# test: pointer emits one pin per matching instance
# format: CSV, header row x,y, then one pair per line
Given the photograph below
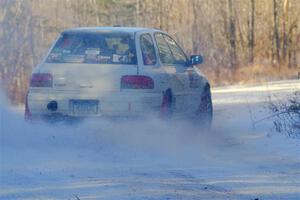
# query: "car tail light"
x,y
41,80
136,82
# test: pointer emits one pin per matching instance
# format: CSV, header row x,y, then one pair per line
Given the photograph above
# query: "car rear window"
x,y
102,48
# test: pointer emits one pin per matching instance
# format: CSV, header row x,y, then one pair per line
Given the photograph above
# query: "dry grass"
x,y
251,74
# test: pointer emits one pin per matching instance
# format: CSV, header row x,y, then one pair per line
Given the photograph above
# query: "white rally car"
x,y
118,72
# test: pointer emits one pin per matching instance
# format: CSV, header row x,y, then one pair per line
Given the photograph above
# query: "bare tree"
x,y
251,32
276,31
231,34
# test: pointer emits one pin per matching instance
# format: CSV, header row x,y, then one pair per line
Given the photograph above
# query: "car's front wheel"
x,y
204,114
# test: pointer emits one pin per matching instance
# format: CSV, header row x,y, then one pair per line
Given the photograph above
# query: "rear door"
x,y
174,62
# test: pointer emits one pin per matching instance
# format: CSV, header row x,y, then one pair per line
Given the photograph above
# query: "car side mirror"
x,y
196,59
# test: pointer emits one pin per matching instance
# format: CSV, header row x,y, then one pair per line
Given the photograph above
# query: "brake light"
x,y
136,82
41,80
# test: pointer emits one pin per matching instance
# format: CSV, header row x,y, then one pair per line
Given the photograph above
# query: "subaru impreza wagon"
x,y
118,72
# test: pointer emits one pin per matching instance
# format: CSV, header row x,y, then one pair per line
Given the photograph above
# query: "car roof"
x,y
129,30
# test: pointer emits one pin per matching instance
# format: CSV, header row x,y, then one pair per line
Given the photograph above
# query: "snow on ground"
x,y
238,159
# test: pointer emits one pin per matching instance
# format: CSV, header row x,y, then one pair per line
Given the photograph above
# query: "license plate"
x,y
84,107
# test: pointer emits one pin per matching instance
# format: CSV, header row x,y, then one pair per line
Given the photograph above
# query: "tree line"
x,y
238,38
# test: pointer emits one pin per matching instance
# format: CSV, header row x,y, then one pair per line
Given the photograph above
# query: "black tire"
x,y
166,110
204,114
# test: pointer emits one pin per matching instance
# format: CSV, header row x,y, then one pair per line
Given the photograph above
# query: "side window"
x,y
178,54
165,53
148,50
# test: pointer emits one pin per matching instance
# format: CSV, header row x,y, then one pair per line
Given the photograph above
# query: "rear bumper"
x,y
69,120
111,104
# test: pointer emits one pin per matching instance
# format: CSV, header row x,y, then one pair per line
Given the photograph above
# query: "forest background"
x,y
242,41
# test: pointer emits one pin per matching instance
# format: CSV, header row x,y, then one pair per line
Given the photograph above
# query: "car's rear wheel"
x,y
204,113
166,110
27,113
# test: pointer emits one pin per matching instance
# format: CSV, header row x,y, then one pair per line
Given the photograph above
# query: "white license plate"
x,y
84,107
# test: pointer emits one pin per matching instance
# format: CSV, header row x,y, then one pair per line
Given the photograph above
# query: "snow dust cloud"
x,y
104,142
36,155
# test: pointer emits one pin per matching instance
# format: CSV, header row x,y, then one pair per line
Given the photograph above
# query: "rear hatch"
x,y
83,77
90,60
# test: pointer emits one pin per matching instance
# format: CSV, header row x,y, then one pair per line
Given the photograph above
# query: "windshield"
x,y
102,48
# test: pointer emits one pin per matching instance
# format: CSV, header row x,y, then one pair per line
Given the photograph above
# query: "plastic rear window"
x,y
98,48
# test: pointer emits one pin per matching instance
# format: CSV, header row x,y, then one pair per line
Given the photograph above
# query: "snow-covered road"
x,y
241,158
